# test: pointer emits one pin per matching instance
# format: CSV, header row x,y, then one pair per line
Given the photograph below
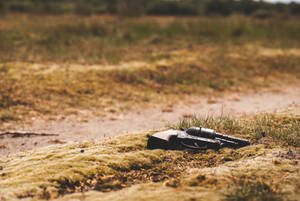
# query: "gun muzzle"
x,y
239,141
212,134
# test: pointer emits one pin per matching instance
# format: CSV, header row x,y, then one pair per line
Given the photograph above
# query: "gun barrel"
x,y
212,134
241,142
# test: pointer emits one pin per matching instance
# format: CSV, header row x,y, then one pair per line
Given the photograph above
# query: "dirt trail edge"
x,y
69,131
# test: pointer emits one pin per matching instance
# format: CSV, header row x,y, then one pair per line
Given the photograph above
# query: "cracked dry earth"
x,y
70,130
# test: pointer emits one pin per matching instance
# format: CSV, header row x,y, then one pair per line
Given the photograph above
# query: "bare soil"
x,y
79,128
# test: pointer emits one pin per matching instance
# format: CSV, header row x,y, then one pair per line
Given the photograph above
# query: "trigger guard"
x,y
193,147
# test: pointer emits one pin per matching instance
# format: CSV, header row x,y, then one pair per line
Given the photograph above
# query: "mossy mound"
x,y
123,169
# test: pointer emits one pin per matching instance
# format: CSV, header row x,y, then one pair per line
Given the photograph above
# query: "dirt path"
x,y
71,131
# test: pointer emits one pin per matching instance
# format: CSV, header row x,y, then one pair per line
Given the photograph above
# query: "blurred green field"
x,y
98,39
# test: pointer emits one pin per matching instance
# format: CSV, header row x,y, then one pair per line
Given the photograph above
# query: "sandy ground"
x,y
71,131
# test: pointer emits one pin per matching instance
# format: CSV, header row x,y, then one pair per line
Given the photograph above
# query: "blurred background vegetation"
x,y
224,43
108,31
151,7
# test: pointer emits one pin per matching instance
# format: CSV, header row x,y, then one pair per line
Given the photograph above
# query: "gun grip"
x,y
163,140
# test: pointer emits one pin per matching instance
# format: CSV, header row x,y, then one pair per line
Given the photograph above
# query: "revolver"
x,y
198,138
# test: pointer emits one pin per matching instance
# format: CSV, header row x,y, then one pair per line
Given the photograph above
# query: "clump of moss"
x,y
256,189
250,178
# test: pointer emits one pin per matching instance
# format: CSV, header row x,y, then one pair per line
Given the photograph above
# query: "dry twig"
x,y
16,134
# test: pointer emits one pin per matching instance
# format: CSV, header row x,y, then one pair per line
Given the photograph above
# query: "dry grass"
x,y
48,89
122,168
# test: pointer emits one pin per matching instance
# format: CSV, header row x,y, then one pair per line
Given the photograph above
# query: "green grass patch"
x,y
276,129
